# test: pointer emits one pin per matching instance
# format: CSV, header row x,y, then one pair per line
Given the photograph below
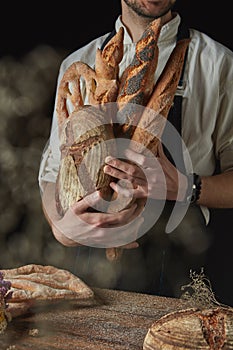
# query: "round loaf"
x,y
86,140
209,329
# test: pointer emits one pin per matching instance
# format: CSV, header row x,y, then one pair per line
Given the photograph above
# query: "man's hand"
x,y
153,177
83,225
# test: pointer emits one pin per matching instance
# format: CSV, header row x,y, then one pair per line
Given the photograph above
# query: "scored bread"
x,y
44,282
83,130
87,136
210,329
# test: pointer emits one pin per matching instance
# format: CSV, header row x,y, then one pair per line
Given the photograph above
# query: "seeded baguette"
x,y
153,119
137,80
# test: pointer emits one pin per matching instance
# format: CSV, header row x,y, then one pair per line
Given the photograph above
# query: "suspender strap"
x,y
109,37
173,142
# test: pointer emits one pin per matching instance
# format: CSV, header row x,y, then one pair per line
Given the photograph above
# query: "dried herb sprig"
x,y
199,291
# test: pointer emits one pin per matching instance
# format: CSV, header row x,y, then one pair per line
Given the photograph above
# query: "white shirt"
x,y
207,107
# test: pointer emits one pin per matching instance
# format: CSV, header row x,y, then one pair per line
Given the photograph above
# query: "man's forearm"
x,y
217,191
52,216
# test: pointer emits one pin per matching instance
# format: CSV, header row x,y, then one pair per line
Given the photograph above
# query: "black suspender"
x,y
109,37
173,141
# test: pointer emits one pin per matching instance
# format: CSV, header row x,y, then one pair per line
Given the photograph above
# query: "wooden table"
x,y
112,320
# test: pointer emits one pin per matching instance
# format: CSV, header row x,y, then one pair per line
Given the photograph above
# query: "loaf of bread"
x,y
145,132
87,139
153,119
137,80
42,282
192,329
136,86
33,284
107,60
102,83
86,133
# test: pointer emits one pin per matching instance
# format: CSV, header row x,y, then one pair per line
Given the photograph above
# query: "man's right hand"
x,y
81,226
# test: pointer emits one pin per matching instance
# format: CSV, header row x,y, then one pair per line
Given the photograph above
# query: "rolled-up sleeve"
x,y
50,160
224,128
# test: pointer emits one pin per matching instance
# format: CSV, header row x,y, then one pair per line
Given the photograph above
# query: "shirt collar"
x,y
168,30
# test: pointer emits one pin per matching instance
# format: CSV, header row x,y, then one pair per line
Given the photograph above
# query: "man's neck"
x,y
136,25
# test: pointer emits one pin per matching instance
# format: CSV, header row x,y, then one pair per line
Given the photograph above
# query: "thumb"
x,y
89,201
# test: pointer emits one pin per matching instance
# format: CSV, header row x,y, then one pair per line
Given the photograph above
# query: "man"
x,y
157,262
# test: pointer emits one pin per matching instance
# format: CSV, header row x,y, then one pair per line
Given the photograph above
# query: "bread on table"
x,y
192,329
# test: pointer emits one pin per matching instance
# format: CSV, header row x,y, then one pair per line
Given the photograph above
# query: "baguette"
x,y
137,80
107,60
153,119
136,86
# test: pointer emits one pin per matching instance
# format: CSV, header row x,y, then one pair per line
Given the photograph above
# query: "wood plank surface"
x,y
111,320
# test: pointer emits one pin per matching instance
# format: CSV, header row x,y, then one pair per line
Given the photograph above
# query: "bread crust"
x,y
192,329
153,119
88,135
44,282
137,80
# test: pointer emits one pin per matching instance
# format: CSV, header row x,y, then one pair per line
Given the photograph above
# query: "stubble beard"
x,y
140,11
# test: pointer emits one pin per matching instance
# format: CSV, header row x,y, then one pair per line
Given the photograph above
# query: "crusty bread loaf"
x,y
42,282
102,83
146,135
69,96
107,60
137,81
84,131
153,119
88,140
136,86
192,329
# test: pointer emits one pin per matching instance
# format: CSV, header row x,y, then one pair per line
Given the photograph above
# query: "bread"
x,y
84,130
210,329
69,95
78,174
39,282
137,81
152,122
101,83
136,86
87,139
146,126
107,60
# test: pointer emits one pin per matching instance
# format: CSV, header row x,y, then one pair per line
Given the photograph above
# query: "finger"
x,y
142,160
114,172
123,167
123,188
118,219
90,201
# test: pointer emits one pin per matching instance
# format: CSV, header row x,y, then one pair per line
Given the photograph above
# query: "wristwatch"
x,y
194,188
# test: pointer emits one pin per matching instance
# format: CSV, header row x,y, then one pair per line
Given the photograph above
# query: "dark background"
x,y
34,38
74,24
